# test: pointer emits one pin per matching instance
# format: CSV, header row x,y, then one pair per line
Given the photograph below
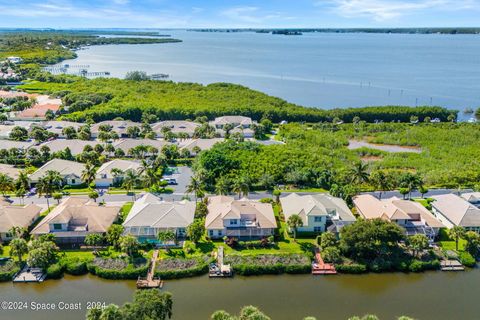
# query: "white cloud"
x,y
384,10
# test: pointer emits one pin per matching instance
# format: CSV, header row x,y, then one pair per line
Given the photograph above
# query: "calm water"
x,y
318,70
428,296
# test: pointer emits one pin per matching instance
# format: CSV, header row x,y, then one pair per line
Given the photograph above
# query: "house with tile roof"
x,y
453,210
16,216
106,175
193,145
150,215
70,171
75,218
242,219
175,126
119,126
319,212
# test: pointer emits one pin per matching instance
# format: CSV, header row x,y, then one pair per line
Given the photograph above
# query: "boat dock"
x,y
218,269
319,267
451,265
28,274
150,281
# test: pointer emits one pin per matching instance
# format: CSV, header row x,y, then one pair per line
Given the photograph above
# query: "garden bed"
x,y
118,268
269,263
174,268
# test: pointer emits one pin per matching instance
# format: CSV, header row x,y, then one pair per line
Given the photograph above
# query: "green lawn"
x,y
450,245
424,202
125,210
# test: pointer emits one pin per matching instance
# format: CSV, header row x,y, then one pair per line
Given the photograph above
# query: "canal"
x,y
427,296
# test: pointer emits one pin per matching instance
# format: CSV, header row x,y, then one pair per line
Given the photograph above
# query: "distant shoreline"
x,y
452,31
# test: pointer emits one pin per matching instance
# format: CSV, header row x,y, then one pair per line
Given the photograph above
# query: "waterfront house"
x,y
76,146
70,171
16,216
318,212
193,145
151,215
118,126
472,197
107,176
75,218
410,215
243,219
175,126
453,210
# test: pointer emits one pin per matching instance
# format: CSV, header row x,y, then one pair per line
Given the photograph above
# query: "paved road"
x,y
253,195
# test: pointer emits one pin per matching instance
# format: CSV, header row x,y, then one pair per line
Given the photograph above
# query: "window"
x,y
211,233
57,226
220,233
233,222
73,181
317,229
318,219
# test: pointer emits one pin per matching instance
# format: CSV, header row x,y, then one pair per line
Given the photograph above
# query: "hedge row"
x,y
8,270
129,272
198,268
270,264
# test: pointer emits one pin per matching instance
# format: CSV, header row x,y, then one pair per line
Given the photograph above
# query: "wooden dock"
x,y
319,267
218,269
150,281
451,265
28,274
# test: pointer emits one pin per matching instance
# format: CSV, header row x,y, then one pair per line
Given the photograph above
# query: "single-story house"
x,y
175,126
9,170
243,219
57,127
151,215
472,197
453,210
236,121
106,178
76,146
37,112
192,145
11,144
119,126
16,216
70,171
74,218
319,212
411,215
127,144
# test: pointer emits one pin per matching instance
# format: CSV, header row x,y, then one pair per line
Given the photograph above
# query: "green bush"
x,y
182,268
353,268
416,266
74,266
467,259
54,271
269,264
7,270
118,269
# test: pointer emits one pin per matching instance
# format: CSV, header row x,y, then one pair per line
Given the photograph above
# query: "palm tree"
x,y
380,182
22,180
117,174
241,186
48,184
195,186
18,247
89,173
20,193
130,180
222,187
359,173
293,222
456,233
6,184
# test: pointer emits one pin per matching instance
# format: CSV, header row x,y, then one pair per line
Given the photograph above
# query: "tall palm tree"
x,y
48,184
222,187
195,186
294,222
359,173
6,183
241,186
456,233
22,180
130,180
89,173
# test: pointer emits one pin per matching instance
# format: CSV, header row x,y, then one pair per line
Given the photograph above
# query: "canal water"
x,y
427,296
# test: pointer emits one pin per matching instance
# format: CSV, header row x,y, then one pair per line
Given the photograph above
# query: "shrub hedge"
x,y
269,264
118,268
8,270
174,268
353,268
55,271
467,259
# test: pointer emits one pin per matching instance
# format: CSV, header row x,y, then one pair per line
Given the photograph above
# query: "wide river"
x,y
426,296
316,69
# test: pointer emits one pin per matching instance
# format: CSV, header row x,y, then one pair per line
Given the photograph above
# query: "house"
x,y
453,210
76,146
318,212
106,178
151,215
11,144
8,126
127,144
410,215
235,121
74,218
70,171
16,216
176,127
243,219
57,127
118,126
193,145
472,197
9,170
37,112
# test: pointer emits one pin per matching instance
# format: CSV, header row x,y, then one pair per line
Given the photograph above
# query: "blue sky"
x,y
238,13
